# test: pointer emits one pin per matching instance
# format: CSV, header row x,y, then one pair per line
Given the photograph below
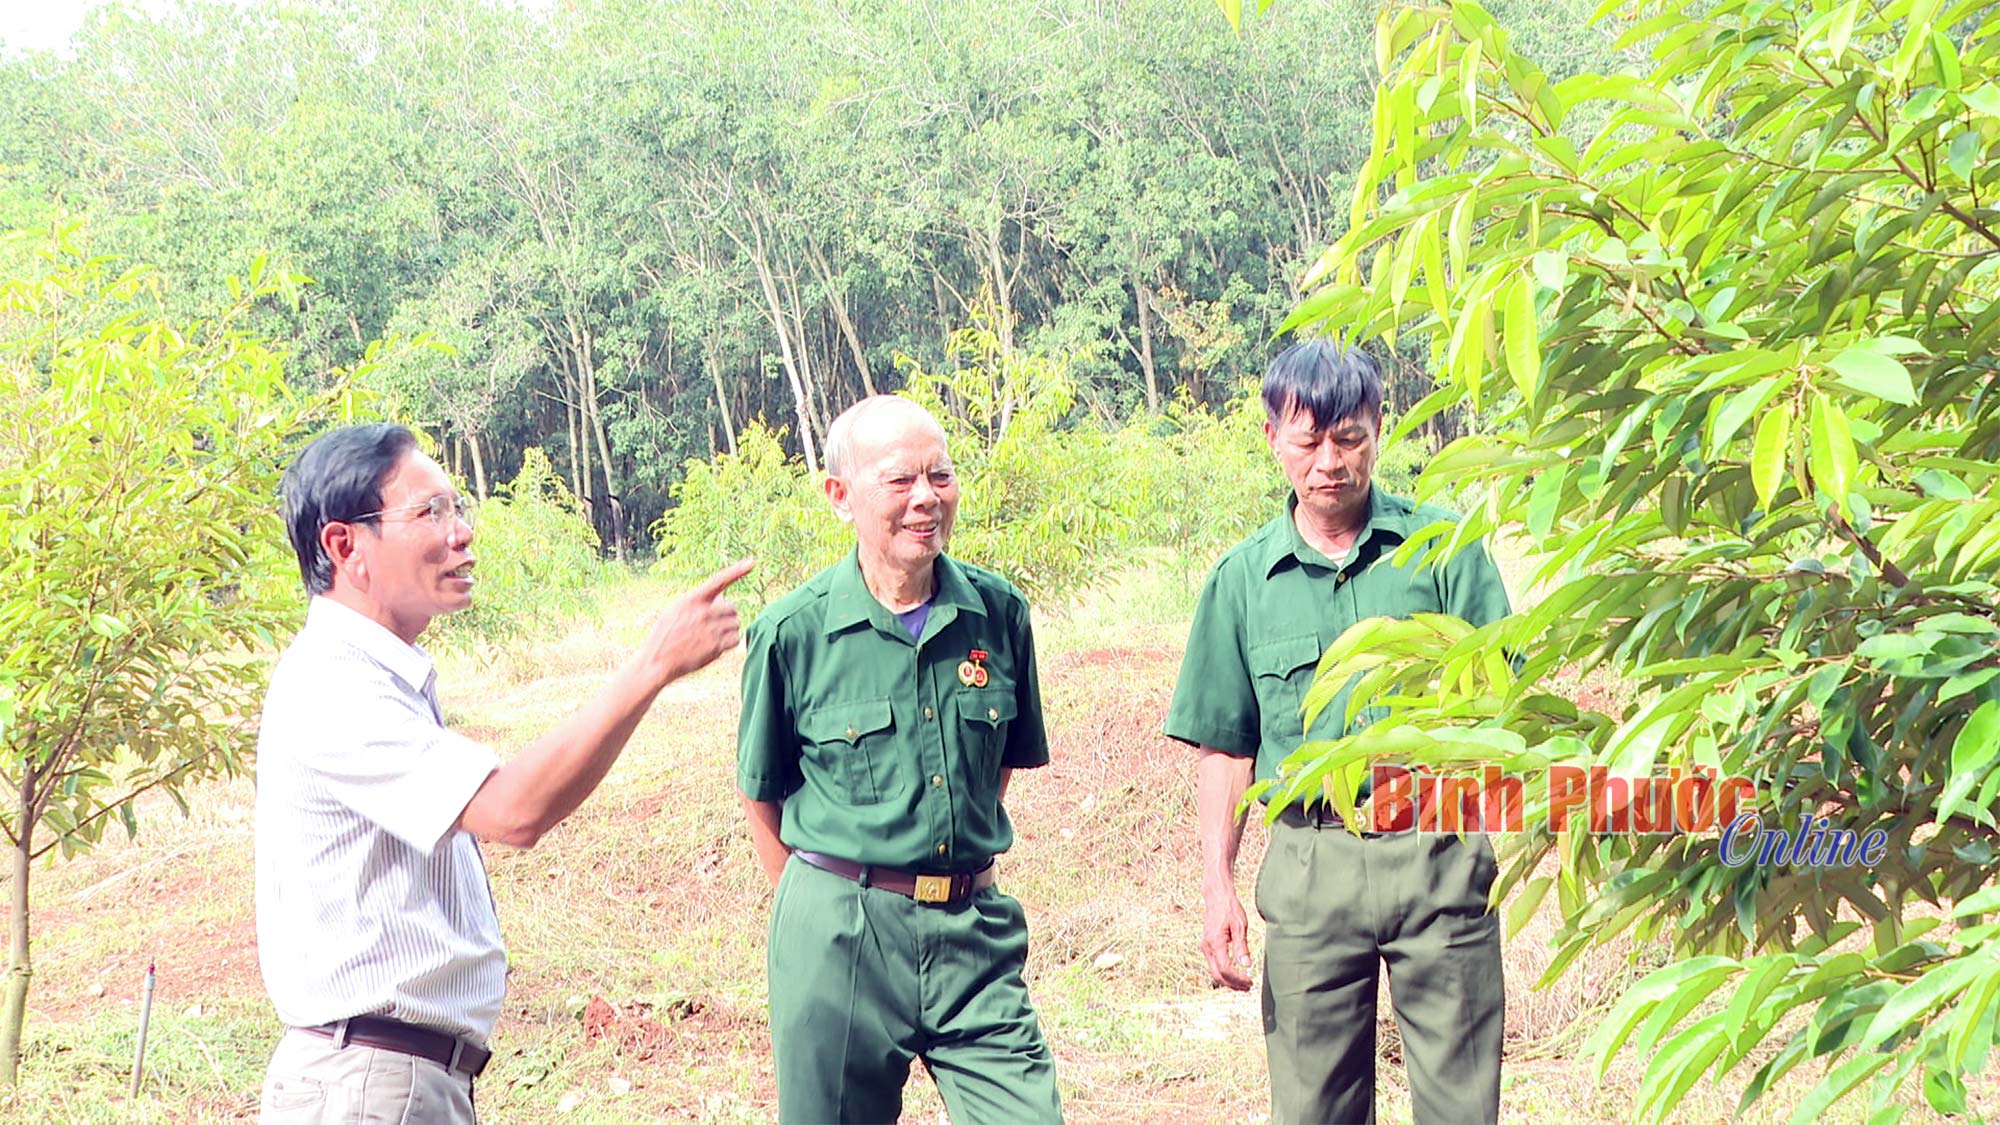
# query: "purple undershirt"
x,y
914,620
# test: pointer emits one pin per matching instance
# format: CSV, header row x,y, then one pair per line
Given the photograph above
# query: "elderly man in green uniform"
x,y
1337,906
885,704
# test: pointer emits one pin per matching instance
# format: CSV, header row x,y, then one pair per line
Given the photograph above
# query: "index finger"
x,y
721,580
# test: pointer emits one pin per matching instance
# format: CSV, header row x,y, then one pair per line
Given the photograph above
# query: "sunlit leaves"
x,y
138,461
1830,447
1871,367
142,568
1232,10
1973,752
1523,335
1731,330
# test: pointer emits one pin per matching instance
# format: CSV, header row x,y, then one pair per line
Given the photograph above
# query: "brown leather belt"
x,y
443,1048
935,890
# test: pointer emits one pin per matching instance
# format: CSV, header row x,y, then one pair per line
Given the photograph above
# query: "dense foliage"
x,y
1735,320
1053,507
641,225
142,565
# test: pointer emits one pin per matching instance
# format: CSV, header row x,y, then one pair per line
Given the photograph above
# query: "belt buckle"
x,y
933,888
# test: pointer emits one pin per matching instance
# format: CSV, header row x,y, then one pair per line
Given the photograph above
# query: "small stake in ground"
x,y
145,1016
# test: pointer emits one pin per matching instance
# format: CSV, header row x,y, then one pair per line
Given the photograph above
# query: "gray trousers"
x,y
310,1082
1336,909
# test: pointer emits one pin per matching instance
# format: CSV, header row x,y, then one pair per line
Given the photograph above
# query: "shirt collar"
x,y
849,602
1388,516
406,662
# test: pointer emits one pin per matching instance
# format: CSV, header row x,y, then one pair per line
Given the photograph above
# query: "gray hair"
x,y
840,434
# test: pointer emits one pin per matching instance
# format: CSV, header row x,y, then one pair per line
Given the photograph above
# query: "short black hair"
x,y
336,478
1330,381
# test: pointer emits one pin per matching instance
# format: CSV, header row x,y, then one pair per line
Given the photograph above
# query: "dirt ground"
x,y
636,989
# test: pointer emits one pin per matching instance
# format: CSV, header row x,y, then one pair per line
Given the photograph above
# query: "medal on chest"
x,y
972,670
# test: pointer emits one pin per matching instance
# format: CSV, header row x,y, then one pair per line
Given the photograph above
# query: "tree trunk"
x,y
575,464
944,313
614,508
838,303
20,971
478,466
819,411
801,395
581,435
1140,295
593,423
993,249
712,359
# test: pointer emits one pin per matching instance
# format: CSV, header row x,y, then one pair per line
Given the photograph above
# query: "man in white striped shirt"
x,y
375,924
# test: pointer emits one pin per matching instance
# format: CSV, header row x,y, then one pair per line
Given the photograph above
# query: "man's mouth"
x,y
463,570
920,528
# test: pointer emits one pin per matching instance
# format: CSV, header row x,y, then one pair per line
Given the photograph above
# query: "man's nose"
x,y
1326,456
923,492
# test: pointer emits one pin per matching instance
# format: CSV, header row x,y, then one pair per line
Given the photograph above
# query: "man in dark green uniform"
x,y
1335,905
885,704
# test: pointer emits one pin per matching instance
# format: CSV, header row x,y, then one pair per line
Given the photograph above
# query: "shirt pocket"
x,y
854,745
1282,667
984,716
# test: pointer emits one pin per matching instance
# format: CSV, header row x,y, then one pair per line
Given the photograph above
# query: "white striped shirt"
x,y
367,902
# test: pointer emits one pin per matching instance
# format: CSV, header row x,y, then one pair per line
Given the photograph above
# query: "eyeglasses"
x,y
440,508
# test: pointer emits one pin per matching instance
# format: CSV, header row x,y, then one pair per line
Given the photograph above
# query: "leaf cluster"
x,y
1048,497
142,565
641,224
1734,317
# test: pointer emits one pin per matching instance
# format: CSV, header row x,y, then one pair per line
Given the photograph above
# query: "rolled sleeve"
x,y
1215,699
767,749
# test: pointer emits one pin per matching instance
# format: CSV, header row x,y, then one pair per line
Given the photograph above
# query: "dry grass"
x,y
649,902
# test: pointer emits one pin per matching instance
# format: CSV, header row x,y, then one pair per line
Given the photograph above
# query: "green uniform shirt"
x,y
880,752
1273,604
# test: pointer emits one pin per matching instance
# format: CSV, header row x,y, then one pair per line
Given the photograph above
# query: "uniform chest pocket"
x,y
1282,667
983,718
854,746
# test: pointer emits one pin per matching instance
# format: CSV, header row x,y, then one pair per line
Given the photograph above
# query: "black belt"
x,y
1318,816
936,890
443,1048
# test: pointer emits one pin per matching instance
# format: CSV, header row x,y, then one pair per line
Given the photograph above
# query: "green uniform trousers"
x,y
863,980
1335,907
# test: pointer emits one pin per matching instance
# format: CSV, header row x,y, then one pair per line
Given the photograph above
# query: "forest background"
x,y
623,261
642,227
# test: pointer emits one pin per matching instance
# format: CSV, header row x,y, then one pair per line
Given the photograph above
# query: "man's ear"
x,y
342,547
836,495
